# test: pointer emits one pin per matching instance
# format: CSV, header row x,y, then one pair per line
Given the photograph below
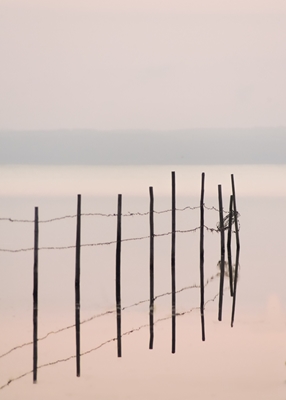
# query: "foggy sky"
x,y
142,65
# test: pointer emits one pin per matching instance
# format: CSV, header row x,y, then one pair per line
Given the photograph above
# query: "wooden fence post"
x,y
222,253
35,297
230,220
173,262
118,275
77,285
151,308
237,250
202,284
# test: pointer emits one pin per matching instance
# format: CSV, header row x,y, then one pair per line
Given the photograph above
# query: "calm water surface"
x,y
247,360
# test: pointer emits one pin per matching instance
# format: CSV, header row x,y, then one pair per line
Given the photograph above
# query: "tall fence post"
x,y
222,253
173,262
202,284
35,297
151,308
118,275
229,256
237,250
77,285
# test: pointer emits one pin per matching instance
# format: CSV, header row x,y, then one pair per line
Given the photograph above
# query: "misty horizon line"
x,y
134,129
144,147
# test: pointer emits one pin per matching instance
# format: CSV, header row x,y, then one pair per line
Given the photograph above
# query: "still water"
x,y
247,360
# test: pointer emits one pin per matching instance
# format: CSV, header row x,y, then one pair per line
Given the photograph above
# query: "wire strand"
x,y
128,214
107,243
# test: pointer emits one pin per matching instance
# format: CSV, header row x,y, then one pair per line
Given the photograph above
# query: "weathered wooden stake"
x,y
173,262
151,309
230,218
202,284
118,275
77,285
237,250
222,253
35,297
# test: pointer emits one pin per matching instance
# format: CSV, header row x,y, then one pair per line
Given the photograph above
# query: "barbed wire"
x,y
214,209
110,242
194,286
129,214
127,333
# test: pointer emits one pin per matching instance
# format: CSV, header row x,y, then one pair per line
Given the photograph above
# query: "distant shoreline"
x,y
138,147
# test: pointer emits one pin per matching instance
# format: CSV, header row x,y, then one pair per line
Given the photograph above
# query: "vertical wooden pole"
x,y
151,309
77,285
229,256
222,253
173,262
35,297
118,275
202,284
237,250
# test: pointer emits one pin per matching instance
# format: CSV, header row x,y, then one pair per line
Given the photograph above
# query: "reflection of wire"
x,y
194,286
127,333
57,331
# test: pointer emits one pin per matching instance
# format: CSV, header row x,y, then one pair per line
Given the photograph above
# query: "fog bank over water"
x,y
145,147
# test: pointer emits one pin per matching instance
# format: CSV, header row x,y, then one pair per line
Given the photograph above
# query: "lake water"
x,y
246,361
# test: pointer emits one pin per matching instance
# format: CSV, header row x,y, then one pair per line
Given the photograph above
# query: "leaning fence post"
x,y
151,308
222,253
118,275
173,262
77,285
202,305
237,250
230,220
35,297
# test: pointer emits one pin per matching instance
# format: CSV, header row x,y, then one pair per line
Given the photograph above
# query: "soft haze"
x,y
145,147
146,65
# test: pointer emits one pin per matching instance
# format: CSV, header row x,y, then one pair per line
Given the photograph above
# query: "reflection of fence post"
x,y
77,285
229,245
202,256
35,298
151,308
237,250
222,253
118,275
173,262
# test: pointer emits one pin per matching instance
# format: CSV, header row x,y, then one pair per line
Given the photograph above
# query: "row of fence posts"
x,y
232,217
